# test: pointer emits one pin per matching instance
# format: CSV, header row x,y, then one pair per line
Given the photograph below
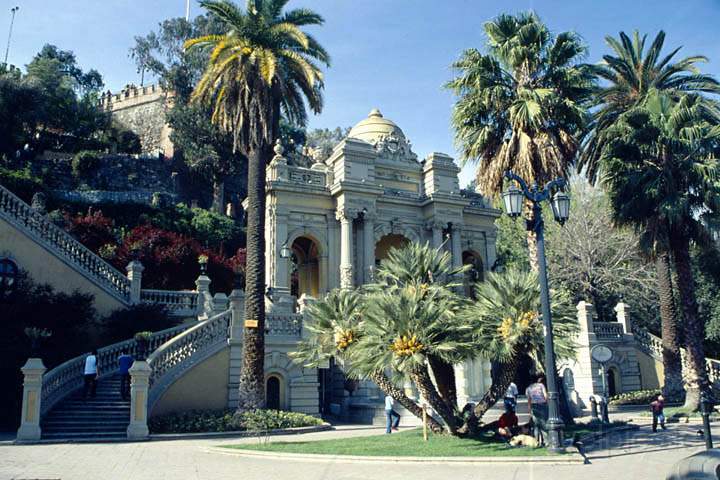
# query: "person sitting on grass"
x,y
507,425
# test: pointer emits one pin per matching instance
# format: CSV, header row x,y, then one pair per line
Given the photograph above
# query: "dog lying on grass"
x,y
524,441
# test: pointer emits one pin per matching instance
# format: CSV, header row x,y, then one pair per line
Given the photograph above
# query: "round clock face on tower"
x,y
601,353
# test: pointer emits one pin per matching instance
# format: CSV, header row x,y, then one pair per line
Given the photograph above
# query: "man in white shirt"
x,y
391,416
510,399
90,374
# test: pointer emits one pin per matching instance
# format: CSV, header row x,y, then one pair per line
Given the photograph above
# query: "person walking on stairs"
x,y
125,361
391,416
90,374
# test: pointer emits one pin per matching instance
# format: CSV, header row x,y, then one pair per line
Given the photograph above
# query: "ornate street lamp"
x,y
285,251
560,202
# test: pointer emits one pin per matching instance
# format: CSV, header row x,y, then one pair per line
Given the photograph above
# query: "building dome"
x,y
374,127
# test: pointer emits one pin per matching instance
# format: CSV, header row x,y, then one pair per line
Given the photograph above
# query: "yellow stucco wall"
x,y
651,371
45,267
203,387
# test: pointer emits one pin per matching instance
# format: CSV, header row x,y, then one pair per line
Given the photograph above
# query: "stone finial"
x,y
375,112
278,148
623,316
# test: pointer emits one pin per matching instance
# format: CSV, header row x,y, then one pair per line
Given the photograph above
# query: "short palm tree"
x,y
262,67
522,106
507,325
628,76
662,173
335,326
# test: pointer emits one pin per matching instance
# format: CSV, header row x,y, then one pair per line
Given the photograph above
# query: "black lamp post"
x,y
706,407
560,202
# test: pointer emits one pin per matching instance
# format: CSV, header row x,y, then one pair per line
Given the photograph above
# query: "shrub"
x,y
122,324
94,230
637,397
228,420
261,420
128,142
85,163
21,182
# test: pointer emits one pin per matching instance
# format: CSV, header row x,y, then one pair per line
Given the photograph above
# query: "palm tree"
x,y
521,107
335,326
506,323
629,75
261,68
662,175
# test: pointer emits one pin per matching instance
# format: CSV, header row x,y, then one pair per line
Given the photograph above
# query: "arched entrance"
x,y
613,382
387,242
305,269
474,274
273,393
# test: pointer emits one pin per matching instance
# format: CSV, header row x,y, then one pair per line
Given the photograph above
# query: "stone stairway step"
x,y
87,428
84,435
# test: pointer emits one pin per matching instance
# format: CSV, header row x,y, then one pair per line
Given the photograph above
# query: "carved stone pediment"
x,y
394,147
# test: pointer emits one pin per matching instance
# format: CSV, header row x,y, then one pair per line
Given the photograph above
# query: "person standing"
x,y
658,413
510,399
90,374
537,404
125,361
392,418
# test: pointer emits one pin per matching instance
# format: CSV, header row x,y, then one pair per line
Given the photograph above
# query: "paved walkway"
x,y
635,455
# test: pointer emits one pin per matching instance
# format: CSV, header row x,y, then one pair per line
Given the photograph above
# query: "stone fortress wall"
x,y
142,110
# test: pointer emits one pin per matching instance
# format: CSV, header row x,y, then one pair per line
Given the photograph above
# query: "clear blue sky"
x,y
390,54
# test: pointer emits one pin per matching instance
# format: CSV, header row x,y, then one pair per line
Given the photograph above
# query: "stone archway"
x,y
386,243
274,392
474,274
305,267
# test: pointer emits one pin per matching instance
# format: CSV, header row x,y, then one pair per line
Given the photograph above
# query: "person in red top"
x,y
658,413
507,424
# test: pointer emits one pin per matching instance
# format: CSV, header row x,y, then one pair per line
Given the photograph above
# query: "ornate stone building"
x,y
330,224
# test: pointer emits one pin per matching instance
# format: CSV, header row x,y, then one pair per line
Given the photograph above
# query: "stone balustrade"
x,y
182,303
42,230
286,325
608,330
67,377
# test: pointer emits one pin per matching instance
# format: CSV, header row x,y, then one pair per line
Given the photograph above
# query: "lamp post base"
x,y
556,440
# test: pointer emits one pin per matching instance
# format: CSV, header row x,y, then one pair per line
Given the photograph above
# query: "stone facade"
x,y
142,110
339,218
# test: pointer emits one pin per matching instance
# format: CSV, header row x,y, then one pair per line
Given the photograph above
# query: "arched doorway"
x,y
305,273
386,243
613,382
474,274
273,393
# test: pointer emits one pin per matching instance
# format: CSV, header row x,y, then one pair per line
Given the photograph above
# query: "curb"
x,y
180,436
241,433
566,459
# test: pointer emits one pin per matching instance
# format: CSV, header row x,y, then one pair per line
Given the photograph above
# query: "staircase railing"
x,y
67,377
178,303
182,352
52,237
652,345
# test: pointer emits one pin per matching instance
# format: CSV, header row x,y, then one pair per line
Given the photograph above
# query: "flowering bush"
x,y
637,397
94,230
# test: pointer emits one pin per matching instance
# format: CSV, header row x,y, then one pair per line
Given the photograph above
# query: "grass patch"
x,y
404,444
680,412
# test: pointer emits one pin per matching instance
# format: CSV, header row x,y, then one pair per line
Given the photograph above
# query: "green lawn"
x,y
680,412
404,444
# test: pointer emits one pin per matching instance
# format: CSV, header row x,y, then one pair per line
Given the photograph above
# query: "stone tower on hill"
x,y
142,110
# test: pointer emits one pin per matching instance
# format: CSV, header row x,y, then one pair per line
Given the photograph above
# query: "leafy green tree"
x,y
262,66
521,107
661,171
628,76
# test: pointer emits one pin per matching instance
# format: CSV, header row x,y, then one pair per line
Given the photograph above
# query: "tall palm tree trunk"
x,y
252,376
501,374
444,374
672,365
389,388
696,376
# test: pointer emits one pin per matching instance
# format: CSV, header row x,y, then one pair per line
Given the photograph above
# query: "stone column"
x,y
585,318
282,269
134,274
139,386
202,285
436,227
237,307
369,246
456,241
33,371
345,216
623,316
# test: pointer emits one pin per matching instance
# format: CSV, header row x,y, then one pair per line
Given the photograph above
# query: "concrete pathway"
x,y
636,455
